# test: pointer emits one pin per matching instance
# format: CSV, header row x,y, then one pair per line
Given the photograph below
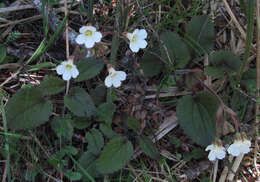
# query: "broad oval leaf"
x,y
116,154
150,64
223,62
107,131
89,68
27,109
62,127
79,102
88,160
201,30
106,111
52,85
148,147
95,141
197,117
176,48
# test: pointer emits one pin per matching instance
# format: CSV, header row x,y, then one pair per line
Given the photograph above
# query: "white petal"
x,y
66,75
89,42
74,72
142,34
247,142
136,31
108,81
83,29
209,147
134,47
244,149
129,36
60,69
221,154
116,83
121,75
212,156
142,43
97,36
93,29
233,150
81,39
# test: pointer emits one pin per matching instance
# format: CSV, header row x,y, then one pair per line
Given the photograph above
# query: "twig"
x,y
215,171
15,8
234,19
133,171
234,168
33,18
11,77
224,173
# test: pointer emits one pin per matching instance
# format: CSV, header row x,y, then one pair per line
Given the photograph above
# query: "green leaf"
x,y
2,53
148,147
105,112
116,154
150,64
52,85
223,62
27,109
107,131
41,65
73,176
133,124
79,102
177,49
98,94
62,127
197,117
249,78
88,161
201,30
81,122
95,141
89,68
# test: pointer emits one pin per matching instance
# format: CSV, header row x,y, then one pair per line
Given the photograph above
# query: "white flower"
x,y
216,152
239,147
137,39
88,36
114,78
67,69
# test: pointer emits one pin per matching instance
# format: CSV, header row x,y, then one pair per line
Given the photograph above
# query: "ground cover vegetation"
x,y
129,90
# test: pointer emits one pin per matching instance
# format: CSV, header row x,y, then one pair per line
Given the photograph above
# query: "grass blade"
x,y
249,35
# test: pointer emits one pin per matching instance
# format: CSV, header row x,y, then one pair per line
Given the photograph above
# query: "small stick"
x,y
234,168
224,173
215,171
37,17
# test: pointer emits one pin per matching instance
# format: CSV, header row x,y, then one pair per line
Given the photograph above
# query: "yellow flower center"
x,y
134,38
89,33
68,66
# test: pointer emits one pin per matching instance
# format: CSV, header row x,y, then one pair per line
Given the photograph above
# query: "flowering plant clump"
x,y
241,145
88,36
137,39
67,69
217,151
114,78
